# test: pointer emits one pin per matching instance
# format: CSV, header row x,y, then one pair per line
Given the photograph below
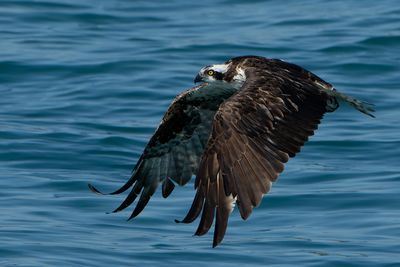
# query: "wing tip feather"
x,y
93,189
194,210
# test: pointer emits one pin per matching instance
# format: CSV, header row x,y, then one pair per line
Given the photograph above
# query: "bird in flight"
x,y
234,132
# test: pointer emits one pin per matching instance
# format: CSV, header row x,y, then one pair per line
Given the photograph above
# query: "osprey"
x,y
234,132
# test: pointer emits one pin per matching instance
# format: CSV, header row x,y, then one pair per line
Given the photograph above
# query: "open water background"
x,y
83,85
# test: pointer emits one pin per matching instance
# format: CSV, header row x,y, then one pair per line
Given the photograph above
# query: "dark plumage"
x,y
234,132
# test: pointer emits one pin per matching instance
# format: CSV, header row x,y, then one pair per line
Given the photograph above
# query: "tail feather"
x,y
364,107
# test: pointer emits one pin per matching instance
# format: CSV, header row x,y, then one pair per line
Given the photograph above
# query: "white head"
x,y
222,74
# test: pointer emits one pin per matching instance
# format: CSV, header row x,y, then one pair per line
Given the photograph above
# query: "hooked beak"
x,y
198,79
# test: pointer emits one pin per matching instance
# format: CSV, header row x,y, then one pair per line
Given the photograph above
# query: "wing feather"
x,y
195,209
167,187
207,218
253,134
174,151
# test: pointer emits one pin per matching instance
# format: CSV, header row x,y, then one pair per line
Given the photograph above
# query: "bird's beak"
x,y
198,79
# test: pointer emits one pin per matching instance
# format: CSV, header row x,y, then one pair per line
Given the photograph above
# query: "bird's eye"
x,y
210,72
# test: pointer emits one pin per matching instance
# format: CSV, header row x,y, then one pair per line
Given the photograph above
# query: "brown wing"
x,y
254,133
174,151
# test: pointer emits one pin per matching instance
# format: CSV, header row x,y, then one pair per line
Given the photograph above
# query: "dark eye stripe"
x,y
218,75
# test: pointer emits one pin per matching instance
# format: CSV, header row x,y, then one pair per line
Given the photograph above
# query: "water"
x,y
84,84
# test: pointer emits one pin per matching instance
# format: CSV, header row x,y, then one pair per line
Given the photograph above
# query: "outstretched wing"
x,y
254,133
173,153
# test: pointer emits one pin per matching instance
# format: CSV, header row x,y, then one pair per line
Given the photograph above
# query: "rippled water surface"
x,y
83,85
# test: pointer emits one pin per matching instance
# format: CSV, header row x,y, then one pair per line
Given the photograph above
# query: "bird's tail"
x,y
364,107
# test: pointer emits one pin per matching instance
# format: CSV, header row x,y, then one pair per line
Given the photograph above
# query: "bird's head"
x,y
212,73
226,74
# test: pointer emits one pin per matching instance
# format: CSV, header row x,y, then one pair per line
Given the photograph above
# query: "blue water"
x,y
84,84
